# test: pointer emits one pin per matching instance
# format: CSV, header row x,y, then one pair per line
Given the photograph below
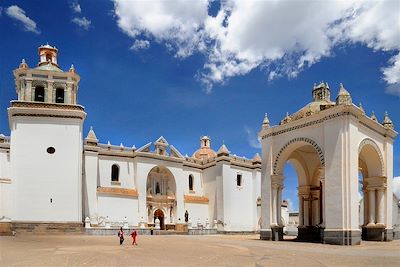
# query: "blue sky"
x,y
142,78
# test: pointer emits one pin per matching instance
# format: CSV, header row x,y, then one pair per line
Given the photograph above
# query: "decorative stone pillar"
x,y
279,205
315,207
274,204
68,98
371,206
301,203
365,204
28,94
49,95
306,213
380,201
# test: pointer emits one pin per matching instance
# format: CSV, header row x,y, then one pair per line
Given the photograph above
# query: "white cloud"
x,y
396,186
76,7
140,44
18,14
290,205
280,37
1,10
252,138
82,22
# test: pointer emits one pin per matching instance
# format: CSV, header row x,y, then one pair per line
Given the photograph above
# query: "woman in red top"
x,y
134,234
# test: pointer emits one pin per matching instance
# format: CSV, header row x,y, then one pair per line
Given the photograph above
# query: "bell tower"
x,y
46,141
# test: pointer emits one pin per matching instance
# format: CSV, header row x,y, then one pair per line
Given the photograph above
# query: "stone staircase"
x,y
44,228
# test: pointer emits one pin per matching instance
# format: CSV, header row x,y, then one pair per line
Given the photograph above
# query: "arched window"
x,y
39,93
114,173
239,181
191,182
59,95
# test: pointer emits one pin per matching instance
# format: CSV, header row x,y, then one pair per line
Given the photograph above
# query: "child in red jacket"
x,y
134,234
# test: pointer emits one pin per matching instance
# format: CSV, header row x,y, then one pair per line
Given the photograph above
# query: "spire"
x,y
223,151
373,117
361,109
387,122
343,97
72,68
256,158
265,124
23,64
91,138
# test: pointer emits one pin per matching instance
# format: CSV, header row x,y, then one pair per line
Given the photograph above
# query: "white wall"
x,y
41,177
116,208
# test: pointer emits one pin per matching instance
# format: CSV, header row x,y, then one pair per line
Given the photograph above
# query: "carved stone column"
x,y
274,203
28,94
315,207
68,99
301,221
380,201
279,206
50,97
306,213
371,206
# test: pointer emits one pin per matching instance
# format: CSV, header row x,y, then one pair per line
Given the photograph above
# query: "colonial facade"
x,y
337,151
49,173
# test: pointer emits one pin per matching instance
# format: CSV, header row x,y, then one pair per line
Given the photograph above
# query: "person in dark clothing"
x,y
121,236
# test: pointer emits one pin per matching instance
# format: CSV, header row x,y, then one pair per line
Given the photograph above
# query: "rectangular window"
x,y
239,180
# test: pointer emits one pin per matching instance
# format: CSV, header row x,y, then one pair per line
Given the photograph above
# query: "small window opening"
x,y
114,173
59,95
239,180
191,182
158,191
39,93
48,57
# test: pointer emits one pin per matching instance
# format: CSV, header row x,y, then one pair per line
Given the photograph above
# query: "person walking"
x,y
134,234
121,236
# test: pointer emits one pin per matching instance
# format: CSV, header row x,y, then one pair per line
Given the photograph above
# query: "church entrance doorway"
x,y
160,215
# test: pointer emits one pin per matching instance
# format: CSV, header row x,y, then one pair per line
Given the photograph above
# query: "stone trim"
x,y
368,141
196,199
5,181
25,104
118,191
47,116
295,140
300,126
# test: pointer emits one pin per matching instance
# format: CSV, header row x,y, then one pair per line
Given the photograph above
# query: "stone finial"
x,y
72,68
256,158
387,122
265,124
343,97
286,119
373,117
91,138
361,109
121,146
23,64
223,151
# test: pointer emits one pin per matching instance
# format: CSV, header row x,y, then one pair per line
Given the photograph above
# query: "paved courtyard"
x,y
218,250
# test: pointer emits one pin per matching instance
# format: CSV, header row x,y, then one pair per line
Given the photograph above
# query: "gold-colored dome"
x,y
205,151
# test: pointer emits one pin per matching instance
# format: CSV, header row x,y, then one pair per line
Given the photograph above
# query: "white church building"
x,y
53,174
50,173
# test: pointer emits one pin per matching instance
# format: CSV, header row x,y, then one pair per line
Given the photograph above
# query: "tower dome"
x,y
205,151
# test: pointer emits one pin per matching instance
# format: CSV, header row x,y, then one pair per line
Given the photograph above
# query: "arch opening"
x,y
39,93
305,180
372,190
161,192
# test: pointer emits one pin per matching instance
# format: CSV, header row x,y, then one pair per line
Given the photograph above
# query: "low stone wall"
x,y
128,231
5,229
47,228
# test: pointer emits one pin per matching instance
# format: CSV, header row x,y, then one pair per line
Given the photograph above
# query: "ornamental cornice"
x,y
196,199
326,115
118,191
